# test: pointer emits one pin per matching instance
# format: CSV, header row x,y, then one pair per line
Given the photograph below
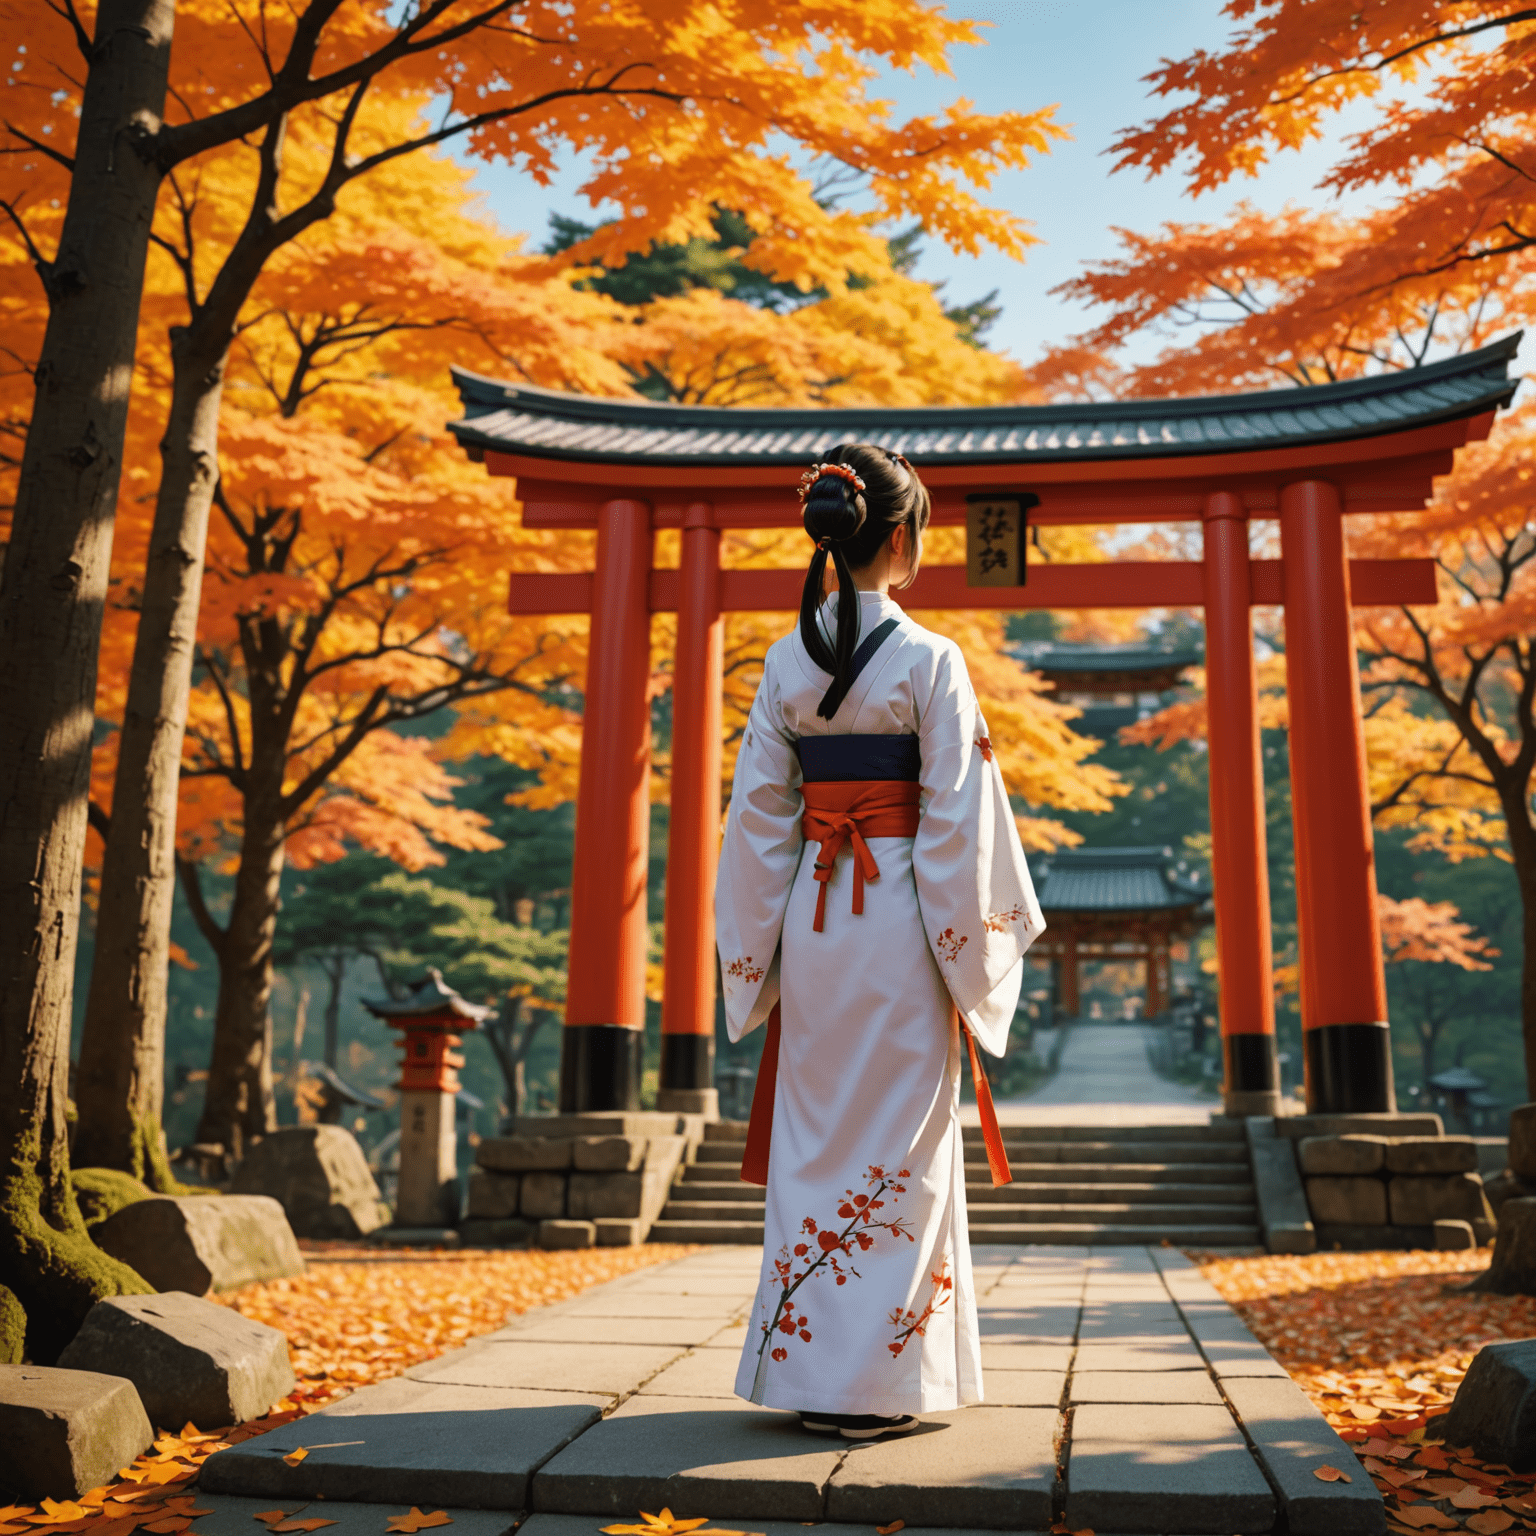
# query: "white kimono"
x,y
860,1312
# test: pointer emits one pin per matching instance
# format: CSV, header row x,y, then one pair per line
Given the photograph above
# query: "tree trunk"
x,y
335,967
240,1106
121,1082
1522,847
52,592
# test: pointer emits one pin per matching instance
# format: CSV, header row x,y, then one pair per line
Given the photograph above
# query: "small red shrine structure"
x,y
433,1020
1115,904
1308,457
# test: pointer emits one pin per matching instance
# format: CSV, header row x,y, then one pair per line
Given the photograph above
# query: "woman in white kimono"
x,y
876,963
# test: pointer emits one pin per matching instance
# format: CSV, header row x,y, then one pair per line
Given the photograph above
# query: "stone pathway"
x,y
1105,1078
1123,1395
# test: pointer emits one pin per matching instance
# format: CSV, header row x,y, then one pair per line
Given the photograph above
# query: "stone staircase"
x,y
709,1203
1188,1185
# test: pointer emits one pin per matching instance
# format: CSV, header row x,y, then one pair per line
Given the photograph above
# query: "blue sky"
x,y
1088,56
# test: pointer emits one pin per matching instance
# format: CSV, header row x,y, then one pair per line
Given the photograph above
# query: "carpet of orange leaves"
x,y
359,1315
1380,1342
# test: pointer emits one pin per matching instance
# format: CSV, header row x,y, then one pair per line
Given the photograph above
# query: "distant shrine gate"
x,y
1308,457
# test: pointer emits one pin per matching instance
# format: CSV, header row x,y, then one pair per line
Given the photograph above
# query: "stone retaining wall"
x,y
1368,1191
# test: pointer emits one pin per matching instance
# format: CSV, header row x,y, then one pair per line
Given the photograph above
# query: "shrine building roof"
x,y
1102,880
1108,669
513,418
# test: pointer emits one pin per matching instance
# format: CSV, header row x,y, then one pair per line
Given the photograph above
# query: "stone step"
x,y
718,1152
669,1230
1070,1233
1112,1173
710,1210
1132,1213
708,1189
1130,1192
1218,1131
1119,1151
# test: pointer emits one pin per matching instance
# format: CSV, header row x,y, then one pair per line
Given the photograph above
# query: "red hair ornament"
x,y
838,471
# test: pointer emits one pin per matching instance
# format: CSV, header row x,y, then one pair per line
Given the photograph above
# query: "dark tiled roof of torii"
x,y
1114,880
549,424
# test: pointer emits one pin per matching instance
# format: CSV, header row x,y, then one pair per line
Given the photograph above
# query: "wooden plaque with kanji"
x,y
994,542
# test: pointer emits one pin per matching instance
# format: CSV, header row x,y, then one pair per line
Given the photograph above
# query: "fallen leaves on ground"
x,y
1331,1475
892,1528
360,1315
664,1524
418,1520
357,1317
1380,1342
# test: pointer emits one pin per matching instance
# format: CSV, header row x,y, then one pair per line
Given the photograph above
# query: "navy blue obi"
x,y
830,758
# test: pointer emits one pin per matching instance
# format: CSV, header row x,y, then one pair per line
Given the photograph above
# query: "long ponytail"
x,y
851,504
834,511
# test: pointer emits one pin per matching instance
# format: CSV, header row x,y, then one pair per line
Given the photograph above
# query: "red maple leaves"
x,y
832,1245
909,1322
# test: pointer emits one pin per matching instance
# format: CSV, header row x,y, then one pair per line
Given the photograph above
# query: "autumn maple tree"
x,y
1444,262
680,110
1416,934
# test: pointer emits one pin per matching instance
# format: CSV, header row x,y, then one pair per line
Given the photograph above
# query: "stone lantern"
x,y
432,1020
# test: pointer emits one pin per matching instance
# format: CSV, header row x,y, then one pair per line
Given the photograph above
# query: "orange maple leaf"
x,y
418,1521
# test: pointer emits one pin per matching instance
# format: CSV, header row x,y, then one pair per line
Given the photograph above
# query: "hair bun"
x,y
834,504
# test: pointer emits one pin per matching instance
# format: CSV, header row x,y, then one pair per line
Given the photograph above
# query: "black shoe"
x,y
859,1426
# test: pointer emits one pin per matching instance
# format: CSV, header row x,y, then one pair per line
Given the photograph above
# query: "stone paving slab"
x,y
1024,1389
989,1467
705,1373
233,1515
734,1337
489,1442
663,1304
1225,1341
1291,1440
1027,1325
610,1369
1188,1469
584,1328
1159,1352
1143,1387
697,1456
1103,1322
1025,1357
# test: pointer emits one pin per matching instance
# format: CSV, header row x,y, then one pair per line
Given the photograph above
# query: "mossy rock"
x,y
103,1192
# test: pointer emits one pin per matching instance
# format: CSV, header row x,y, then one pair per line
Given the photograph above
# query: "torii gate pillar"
x,y
687,1078
1239,854
601,1054
1348,1046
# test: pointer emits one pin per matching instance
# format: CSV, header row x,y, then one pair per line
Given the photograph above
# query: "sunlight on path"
x,y
1105,1077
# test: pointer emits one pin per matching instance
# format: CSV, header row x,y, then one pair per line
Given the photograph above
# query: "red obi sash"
x,y
841,811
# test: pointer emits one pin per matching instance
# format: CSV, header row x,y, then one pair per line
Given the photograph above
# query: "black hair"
x,y
852,524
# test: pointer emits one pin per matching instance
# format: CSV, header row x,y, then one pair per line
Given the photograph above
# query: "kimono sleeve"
x,y
758,862
973,884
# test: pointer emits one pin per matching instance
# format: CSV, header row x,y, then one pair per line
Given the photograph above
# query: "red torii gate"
x,y
626,468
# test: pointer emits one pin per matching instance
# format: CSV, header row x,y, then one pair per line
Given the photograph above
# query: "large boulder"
x,y
203,1243
1495,1407
190,1359
319,1176
63,1432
